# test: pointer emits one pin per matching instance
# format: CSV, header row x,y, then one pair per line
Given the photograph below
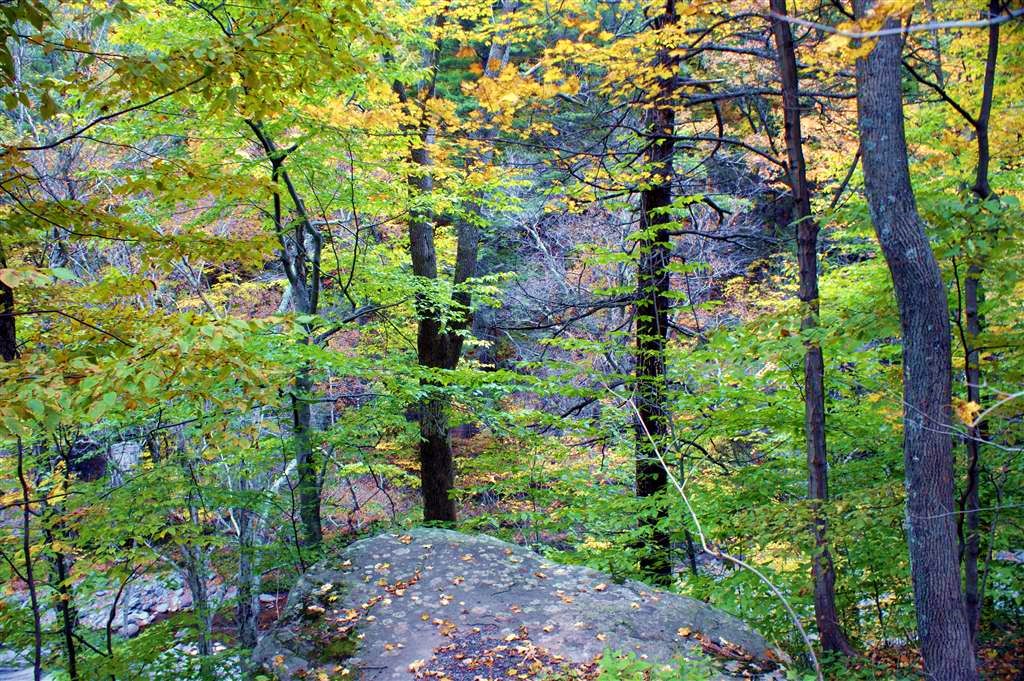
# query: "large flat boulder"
x,y
440,604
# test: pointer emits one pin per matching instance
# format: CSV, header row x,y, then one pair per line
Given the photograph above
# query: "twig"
x,y
913,28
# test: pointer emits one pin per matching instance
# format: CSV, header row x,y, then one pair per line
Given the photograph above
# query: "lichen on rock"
x,y
399,606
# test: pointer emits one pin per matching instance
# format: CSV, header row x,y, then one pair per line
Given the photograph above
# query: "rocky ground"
x,y
148,599
439,604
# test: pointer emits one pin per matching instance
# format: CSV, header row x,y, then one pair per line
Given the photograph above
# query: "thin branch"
x,y
902,30
81,321
111,116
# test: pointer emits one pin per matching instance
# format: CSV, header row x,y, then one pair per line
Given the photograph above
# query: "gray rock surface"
x,y
15,674
398,607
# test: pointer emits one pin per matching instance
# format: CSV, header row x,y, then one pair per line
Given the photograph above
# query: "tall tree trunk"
x,y
822,569
29,575
8,335
924,320
437,469
439,344
300,252
197,574
56,534
66,607
653,282
248,603
305,460
971,502
972,360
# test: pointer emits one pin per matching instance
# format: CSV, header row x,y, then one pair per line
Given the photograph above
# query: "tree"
x,y
971,322
437,347
823,570
442,325
8,330
301,246
653,282
927,391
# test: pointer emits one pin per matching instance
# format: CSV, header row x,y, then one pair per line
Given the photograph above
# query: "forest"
x,y
718,299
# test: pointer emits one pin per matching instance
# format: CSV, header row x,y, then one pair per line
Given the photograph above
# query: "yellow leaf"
x,y
966,411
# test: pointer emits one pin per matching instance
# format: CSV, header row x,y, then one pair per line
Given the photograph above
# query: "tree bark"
x,y
301,263
973,295
826,617
437,468
248,604
29,576
8,330
971,543
197,574
305,460
653,283
924,320
437,346
439,343
65,606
